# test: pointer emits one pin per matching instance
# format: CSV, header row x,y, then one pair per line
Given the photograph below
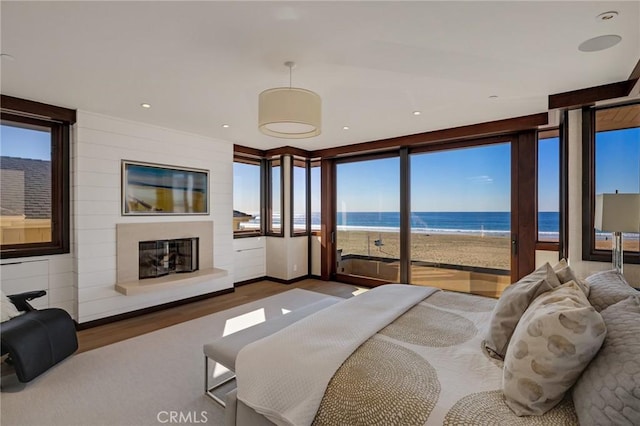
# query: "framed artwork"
x,y
154,189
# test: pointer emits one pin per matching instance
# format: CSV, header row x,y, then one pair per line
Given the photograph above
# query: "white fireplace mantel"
x,y
128,237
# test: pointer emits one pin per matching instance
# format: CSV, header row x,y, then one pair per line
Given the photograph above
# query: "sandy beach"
x,y
454,249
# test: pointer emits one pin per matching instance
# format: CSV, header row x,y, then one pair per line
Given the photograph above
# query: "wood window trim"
x,y
548,134
240,157
301,163
589,252
274,162
34,113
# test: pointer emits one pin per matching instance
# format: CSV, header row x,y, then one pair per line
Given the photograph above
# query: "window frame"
x,y
550,245
270,163
59,121
237,158
589,252
296,162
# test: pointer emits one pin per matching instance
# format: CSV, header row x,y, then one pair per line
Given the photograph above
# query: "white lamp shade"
x,y
289,112
617,212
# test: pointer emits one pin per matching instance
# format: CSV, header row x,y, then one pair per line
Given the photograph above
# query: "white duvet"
x,y
284,376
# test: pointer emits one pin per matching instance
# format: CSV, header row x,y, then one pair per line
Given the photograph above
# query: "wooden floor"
x,y
103,335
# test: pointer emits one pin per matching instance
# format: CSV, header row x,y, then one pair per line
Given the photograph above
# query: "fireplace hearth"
x,y
163,257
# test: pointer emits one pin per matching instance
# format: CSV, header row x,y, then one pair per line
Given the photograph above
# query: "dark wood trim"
x,y
547,246
527,229
239,149
251,281
315,277
287,150
515,276
475,131
139,312
327,218
588,181
39,109
307,201
467,143
635,74
589,96
405,216
589,251
291,281
563,234
269,197
60,190
361,281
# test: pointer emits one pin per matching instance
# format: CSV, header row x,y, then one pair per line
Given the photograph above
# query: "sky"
x,y
468,179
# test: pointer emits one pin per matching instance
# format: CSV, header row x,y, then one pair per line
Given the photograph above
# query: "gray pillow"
x,y
566,274
608,288
608,392
514,301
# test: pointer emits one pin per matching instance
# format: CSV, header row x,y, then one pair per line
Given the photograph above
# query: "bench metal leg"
x,y
208,390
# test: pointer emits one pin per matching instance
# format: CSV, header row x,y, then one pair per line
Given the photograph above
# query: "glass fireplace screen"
x,y
163,257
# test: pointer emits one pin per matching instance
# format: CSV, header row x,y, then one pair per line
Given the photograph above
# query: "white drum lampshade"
x,y
289,112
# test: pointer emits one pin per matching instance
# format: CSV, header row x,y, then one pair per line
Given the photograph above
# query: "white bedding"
x,y
284,376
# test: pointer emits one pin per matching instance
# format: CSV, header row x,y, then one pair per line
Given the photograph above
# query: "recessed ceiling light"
x,y
607,16
145,105
345,128
599,43
7,56
226,126
416,113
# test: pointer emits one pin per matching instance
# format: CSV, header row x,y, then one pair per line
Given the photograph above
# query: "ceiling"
x,y
202,64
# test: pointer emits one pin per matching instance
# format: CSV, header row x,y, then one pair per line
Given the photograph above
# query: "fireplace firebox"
x,y
162,257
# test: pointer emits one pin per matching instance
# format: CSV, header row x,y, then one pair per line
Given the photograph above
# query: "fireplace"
x,y
162,257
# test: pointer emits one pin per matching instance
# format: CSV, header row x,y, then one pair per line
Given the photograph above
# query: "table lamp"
x,y
617,213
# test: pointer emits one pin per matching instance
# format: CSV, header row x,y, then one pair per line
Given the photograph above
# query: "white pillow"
x,y
7,309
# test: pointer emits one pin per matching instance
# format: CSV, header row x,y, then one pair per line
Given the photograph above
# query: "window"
x,y
314,173
299,197
246,197
611,162
275,200
549,186
34,178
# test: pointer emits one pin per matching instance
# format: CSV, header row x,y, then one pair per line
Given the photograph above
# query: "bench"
x,y
225,349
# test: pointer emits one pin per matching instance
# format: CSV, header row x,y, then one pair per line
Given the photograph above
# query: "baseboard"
x,y
251,281
143,311
294,280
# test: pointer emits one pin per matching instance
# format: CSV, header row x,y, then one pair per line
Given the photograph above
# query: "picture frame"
x,y
156,189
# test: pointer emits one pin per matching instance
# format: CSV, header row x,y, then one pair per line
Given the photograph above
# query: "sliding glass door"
x,y
461,219
368,220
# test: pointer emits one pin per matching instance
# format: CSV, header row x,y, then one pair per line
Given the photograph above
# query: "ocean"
x,y
497,223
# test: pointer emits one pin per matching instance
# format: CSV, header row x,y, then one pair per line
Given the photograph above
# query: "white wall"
x,y
101,143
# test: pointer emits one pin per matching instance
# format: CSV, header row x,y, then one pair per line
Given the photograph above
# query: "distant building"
x,y
25,187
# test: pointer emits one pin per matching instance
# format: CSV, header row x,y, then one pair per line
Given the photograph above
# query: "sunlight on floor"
x,y
285,311
243,321
219,370
359,290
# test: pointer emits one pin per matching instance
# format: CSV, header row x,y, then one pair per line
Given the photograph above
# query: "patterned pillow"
x,y
566,274
514,301
554,341
608,392
608,288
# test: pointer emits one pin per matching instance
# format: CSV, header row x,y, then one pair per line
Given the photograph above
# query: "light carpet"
x,y
139,381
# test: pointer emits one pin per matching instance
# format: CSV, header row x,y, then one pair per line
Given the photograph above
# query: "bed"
x,y
399,354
